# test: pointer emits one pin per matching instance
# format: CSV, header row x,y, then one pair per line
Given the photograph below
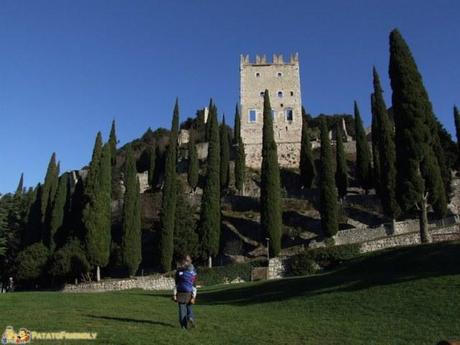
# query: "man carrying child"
x,y
184,292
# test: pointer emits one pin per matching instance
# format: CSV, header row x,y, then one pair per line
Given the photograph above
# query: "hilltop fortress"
x,y
282,80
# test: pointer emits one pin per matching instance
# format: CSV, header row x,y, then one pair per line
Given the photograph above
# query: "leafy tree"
x,y
307,161
57,212
152,157
270,189
457,132
193,168
363,156
341,174
69,262
328,190
31,262
386,149
131,233
240,156
20,188
185,235
168,207
97,210
224,155
419,176
209,226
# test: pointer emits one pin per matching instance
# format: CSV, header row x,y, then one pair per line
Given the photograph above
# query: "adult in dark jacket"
x,y
185,292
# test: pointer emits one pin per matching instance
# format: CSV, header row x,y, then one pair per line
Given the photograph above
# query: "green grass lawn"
x,y
402,296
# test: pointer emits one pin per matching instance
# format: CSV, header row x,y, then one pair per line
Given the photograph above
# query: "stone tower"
x,y
282,79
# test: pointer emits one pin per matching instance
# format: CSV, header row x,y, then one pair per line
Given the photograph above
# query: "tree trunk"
x,y
425,235
210,261
98,273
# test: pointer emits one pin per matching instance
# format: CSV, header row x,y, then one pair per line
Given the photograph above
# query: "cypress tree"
x,y
131,227
20,188
168,206
363,156
307,162
419,175
152,155
211,108
328,190
387,151
270,189
97,210
113,144
193,169
375,147
240,156
32,231
237,126
341,174
209,227
57,212
49,188
457,132
224,155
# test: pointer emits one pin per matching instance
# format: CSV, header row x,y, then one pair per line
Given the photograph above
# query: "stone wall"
x,y
276,268
155,282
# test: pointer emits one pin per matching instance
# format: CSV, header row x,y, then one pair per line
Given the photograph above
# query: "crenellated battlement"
x,y
277,59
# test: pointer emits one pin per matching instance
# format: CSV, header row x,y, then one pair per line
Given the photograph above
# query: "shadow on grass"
x,y
378,269
125,319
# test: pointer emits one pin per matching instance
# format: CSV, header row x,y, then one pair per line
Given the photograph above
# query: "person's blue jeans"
x,y
185,313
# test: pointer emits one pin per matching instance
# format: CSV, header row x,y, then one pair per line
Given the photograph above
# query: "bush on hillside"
x,y
222,274
309,261
69,262
31,262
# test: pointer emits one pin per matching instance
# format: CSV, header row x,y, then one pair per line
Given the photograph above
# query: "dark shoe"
x,y
190,323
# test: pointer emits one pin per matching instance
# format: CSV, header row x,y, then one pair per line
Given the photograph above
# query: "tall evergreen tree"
x,y
57,213
33,233
328,190
97,210
387,151
20,188
341,173
240,156
152,156
211,109
168,206
131,227
49,189
113,144
224,155
375,130
209,226
457,132
270,188
363,156
193,168
307,161
419,176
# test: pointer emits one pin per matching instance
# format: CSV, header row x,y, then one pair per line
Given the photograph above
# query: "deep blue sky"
x,y
67,68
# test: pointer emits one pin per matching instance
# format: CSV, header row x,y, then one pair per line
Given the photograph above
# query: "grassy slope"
x,y
403,296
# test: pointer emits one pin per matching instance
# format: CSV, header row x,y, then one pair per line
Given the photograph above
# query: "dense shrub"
x,y
221,274
69,262
31,262
326,257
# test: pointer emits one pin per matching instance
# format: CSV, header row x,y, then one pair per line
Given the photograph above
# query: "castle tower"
x,y
282,79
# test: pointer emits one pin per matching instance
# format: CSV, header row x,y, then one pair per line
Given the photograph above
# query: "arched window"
x,y
279,74
257,74
280,94
262,93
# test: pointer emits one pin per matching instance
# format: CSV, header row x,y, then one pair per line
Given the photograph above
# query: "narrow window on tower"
x,y
252,115
273,114
292,93
280,74
289,114
280,94
261,93
257,74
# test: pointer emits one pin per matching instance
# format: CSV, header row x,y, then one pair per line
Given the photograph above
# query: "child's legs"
x,y
190,314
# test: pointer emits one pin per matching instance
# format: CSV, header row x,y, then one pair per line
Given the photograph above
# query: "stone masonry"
x,y
155,282
282,79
